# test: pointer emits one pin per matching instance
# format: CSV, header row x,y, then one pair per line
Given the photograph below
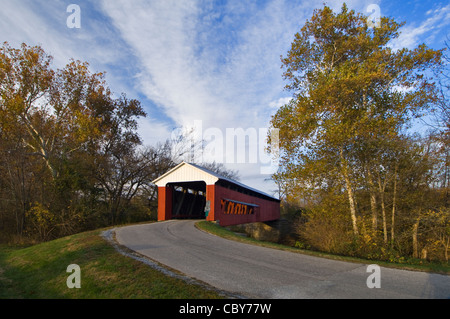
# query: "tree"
x,y
351,92
440,123
434,229
57,127
161,160
59,111
26,79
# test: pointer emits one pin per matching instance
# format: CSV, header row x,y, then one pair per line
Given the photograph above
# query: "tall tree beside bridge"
x,y
353,97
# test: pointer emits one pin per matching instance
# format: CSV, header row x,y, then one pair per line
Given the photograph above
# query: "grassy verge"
x,y
39,272
215,229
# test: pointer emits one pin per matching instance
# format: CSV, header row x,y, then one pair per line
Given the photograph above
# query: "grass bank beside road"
x,y
40,272
217,230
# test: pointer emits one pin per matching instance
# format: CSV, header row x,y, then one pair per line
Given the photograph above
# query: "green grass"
x,y
39,271
215,229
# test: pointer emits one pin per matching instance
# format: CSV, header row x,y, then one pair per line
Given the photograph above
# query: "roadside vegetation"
x,y
412,264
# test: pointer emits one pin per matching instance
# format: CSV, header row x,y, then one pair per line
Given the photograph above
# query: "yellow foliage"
x,y
42,219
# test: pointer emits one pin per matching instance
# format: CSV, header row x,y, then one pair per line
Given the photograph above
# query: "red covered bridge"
x,y
189,191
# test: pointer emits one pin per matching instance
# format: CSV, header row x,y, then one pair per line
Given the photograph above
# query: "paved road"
x,y
257,272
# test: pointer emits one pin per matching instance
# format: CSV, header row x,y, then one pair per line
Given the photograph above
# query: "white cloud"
x,y
280,102
44,23
152,131
21,22
191,75
160,34
413,34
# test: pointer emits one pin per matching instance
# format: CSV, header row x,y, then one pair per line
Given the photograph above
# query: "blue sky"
x,y
213,61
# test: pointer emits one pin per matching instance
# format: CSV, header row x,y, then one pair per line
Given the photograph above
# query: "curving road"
x,y
257,272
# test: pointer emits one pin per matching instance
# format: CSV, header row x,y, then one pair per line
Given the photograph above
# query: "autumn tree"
x,y
440,122
351,93
56,112
56,127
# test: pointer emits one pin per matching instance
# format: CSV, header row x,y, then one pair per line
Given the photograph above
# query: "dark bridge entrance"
x,y
188,200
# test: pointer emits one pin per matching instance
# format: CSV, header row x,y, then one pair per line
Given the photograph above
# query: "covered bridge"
x,y
189,191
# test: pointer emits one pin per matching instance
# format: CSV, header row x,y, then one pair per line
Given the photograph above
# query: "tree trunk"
x,y
349,193
373,201
446,246
393,206
381,188
42,147
414,238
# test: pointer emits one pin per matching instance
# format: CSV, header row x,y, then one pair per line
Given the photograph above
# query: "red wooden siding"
x,y
266,209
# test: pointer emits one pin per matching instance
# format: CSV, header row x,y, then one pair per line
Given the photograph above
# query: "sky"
x,y
211,65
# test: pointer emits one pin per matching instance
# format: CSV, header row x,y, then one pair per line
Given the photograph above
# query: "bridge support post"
x,y
165,203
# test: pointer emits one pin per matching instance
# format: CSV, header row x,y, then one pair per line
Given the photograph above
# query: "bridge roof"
x,y
189,172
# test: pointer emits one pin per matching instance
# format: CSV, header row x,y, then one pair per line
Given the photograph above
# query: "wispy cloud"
x,y
199,62
216,63
45,23
437,21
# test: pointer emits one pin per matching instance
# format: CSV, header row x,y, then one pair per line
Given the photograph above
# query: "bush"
x,y
325,230
42,221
